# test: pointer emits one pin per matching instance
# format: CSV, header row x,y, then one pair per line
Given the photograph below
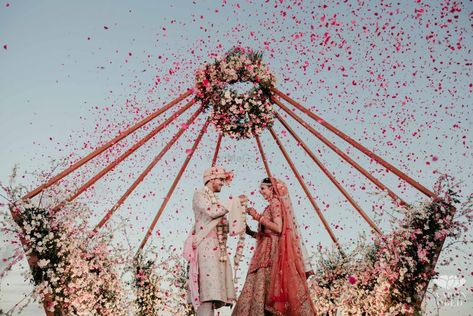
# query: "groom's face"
x,y
217,184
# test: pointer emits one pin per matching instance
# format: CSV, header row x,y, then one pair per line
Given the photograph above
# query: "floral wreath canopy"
x,y
238,115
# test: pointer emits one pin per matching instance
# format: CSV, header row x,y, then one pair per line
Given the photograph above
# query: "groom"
x,y
210,276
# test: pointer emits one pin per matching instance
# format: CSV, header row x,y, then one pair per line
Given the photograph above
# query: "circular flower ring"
x,y
237,115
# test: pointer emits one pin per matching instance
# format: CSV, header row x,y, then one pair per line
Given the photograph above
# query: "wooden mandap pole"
x,y
306,190
104,147
217,149
347,158
146,172
173,186
355,144
329,175
263,156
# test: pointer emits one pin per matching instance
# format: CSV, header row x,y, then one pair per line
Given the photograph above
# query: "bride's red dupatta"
x,y
288,288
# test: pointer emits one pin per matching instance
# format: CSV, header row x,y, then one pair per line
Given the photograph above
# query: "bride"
x,y
276,280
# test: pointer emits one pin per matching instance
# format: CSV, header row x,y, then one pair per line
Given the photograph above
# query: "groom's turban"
x,y
218,172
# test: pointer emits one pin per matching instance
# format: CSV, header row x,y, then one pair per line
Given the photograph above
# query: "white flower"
x,y
27,228
43,263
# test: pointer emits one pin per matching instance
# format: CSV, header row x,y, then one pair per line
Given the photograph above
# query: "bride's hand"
x,y
252,212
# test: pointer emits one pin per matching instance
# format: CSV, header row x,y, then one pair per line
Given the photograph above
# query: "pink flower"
x,y
352,279
422,253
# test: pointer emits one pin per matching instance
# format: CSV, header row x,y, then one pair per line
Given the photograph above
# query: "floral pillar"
x,y
32,259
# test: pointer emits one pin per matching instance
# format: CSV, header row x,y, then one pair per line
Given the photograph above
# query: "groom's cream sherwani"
x,y
215,277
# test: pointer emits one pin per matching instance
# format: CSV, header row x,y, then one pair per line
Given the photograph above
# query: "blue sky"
x,y
395,78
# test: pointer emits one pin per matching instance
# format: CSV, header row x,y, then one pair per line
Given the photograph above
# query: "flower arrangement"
x,y
160,283
72,274
392,275
177,274
237,115
147,285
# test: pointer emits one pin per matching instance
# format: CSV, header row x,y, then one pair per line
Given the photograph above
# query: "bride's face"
x,y
266,191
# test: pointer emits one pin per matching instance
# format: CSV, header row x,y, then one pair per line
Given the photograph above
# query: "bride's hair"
x,y
267,181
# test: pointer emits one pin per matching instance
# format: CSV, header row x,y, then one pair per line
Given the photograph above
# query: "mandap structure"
x,y
238,116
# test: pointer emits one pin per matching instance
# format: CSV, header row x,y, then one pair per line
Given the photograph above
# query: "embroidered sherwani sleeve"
x,y
203,202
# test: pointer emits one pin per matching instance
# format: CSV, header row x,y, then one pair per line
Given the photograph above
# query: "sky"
x,y
394,76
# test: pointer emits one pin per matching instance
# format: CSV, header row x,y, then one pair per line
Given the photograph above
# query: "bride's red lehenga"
x,y
276,280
